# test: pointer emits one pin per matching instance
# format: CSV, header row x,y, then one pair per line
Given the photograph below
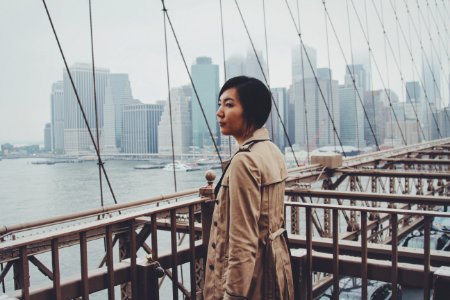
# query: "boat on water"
x,y
148,167
180,167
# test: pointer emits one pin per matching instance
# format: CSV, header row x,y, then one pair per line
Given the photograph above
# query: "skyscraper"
x,y
76,136
205,75
57,117
108,137
48,137
273,123
140,127
313,125
351,113
301,67
181,122
253,65
234,66
413,93
121,95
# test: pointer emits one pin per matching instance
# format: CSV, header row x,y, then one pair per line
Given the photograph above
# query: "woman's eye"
x,y
228,105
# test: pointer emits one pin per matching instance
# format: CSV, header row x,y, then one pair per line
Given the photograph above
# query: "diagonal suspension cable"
x,y
267,83
305,108
387,75
192,81
79,101
353,69
354,82
439,60
414,65
372,92
224,61
329,71
99,161
299,34
365,34
267,64
170,101
351,74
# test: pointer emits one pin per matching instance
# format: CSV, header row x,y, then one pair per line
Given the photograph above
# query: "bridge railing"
x,y
398,265
139,276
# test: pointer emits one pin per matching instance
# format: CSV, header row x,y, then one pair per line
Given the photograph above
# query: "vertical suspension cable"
x,y
330,75
350,72
353,70
314,74
372,92
412,59
403,84
390,47
388,91
408,43
224,61
83,113
99,161
265,79
169,99
305,108
433,47
192,82
267,65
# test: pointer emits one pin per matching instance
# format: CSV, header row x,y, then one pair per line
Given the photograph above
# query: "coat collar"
x,y
261,134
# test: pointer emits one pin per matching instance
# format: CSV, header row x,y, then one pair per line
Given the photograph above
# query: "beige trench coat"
x,y
253,186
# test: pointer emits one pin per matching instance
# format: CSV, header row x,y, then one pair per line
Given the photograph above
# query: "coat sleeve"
x,y
245,203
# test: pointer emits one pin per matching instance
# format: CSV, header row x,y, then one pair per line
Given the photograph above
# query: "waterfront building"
x,y
57,117
312,123
121,95
181,122
273,123
48,137
108,137
205,75
351,113
140,127
76,136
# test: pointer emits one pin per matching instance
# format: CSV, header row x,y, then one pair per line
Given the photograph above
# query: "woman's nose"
x,y
219,112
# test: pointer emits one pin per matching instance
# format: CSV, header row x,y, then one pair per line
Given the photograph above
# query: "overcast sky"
x,y
129,38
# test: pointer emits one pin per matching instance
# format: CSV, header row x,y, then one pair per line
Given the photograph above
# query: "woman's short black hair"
x,y
254,96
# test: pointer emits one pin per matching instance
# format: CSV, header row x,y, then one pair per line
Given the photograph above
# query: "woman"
x,y
241,263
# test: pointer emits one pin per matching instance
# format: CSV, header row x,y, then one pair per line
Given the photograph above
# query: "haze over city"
x,y
129,38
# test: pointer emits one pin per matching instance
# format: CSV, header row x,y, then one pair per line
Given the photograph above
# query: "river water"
x,y
31,192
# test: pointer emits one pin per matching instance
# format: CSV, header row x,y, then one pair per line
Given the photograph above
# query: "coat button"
x,y
211,267
213,245
215,223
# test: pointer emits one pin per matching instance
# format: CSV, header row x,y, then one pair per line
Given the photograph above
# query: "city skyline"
x,y
141,55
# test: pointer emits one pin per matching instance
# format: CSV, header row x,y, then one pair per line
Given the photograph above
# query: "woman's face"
x,y
230,115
